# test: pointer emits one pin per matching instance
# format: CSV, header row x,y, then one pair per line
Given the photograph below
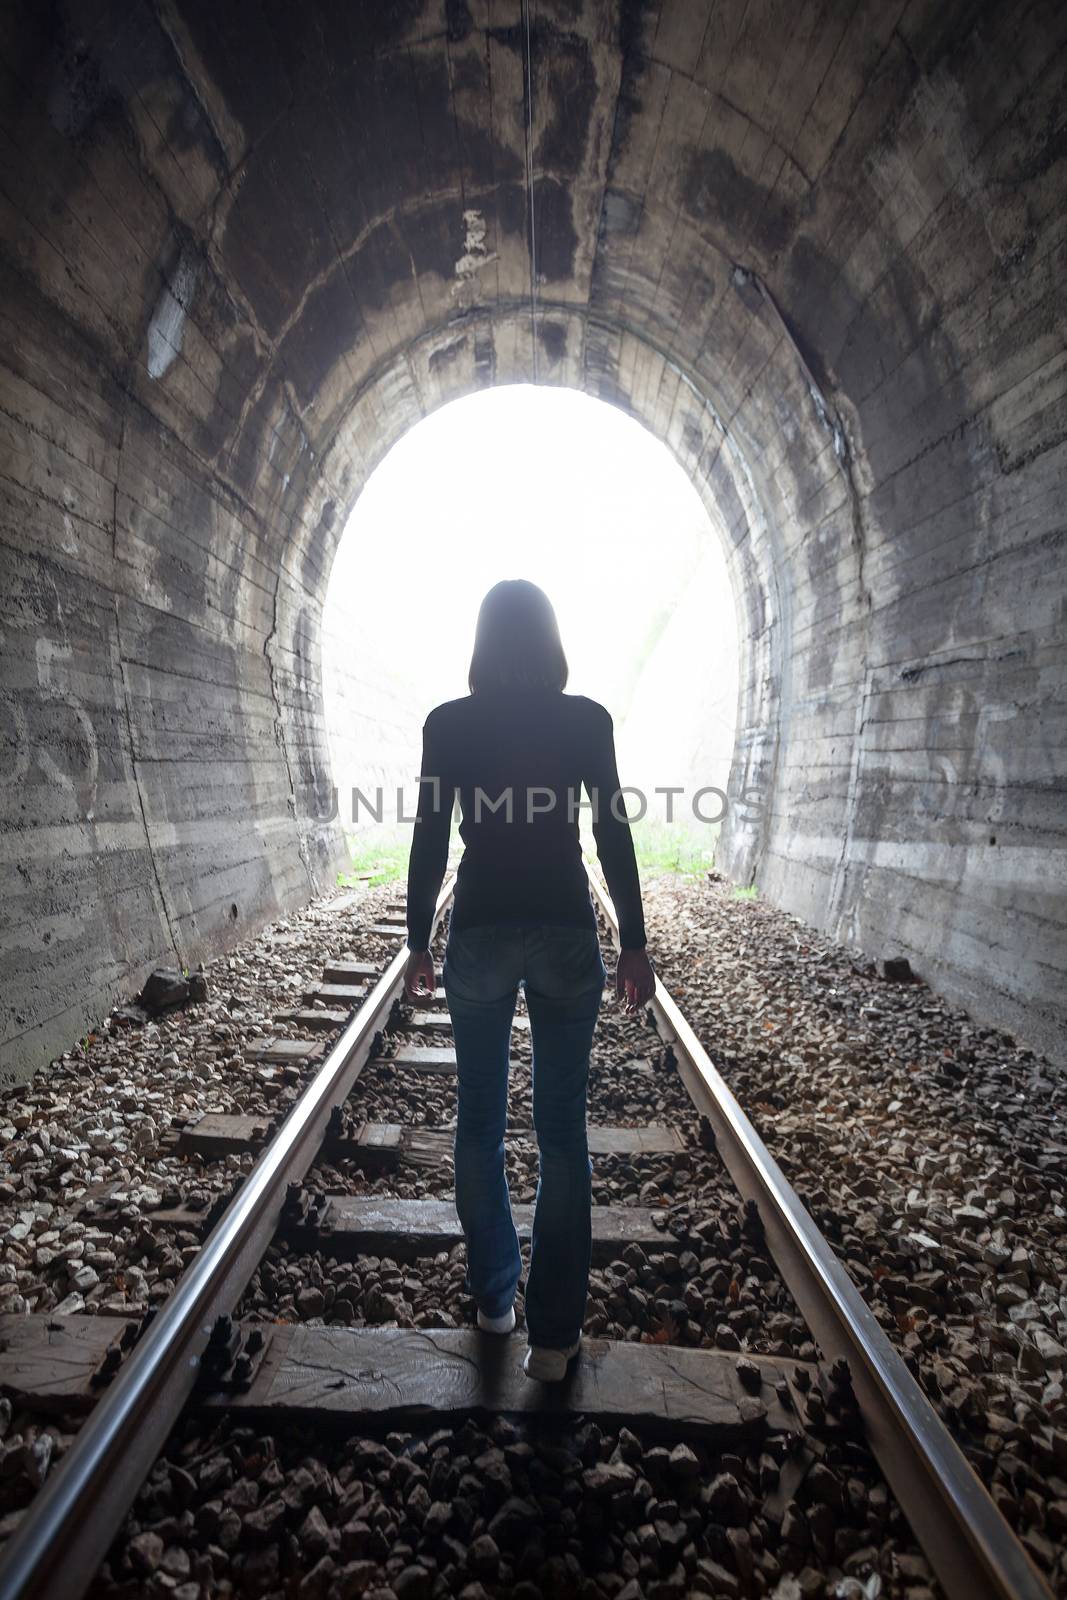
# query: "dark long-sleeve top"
x,y
542,746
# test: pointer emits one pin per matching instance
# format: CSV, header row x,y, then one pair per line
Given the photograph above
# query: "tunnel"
x,y
817,249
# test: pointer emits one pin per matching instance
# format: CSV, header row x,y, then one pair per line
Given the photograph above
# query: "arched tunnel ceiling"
x,y
816,247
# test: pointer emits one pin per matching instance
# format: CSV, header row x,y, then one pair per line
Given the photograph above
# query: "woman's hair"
x,y
517,639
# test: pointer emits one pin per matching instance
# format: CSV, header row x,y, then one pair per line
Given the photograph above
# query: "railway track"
x,y
364,1177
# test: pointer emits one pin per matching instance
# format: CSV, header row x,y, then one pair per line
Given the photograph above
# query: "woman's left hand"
x,y
419,977
635,981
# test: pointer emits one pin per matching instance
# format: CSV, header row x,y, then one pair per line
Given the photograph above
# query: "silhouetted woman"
x,y
519,750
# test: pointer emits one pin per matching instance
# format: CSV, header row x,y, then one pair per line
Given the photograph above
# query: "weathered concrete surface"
x,y
817,249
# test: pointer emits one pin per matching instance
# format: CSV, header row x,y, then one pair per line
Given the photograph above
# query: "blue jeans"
x,y
563,973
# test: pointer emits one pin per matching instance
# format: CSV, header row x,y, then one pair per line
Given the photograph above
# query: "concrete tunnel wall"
x,y
818,249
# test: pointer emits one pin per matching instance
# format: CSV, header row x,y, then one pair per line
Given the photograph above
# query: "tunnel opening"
x,y
820,262
568,491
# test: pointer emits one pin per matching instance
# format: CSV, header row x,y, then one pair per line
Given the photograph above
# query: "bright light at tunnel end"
x,y
573,494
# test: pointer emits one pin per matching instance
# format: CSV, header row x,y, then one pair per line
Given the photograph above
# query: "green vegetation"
x,y
751,893
661,847
383,852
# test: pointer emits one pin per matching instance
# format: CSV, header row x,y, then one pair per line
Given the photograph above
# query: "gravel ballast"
x,y
928,1149
932,1153
532,1509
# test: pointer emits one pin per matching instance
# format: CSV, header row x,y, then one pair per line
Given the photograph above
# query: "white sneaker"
x,y
504,1324
549,1366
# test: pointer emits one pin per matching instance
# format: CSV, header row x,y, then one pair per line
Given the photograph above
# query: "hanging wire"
x,y
528,69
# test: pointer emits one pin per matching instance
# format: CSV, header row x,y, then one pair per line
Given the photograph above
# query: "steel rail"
x,y
65,1534
968,1543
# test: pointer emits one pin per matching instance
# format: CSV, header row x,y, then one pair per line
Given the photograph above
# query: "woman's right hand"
x,y
635,981
419,979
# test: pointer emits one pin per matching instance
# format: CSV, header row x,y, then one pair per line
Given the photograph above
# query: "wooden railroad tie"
x,y
63,1364
401,1374
280,1062
381,1146
441,1022
314,1020
284,1052
428,1022
106,1205
421,1058
345,1226
439,1002
339,1225
346,971
336,995
216,1134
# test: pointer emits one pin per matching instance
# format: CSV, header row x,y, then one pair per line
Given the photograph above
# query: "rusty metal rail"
x,y
54,1553
967,1541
